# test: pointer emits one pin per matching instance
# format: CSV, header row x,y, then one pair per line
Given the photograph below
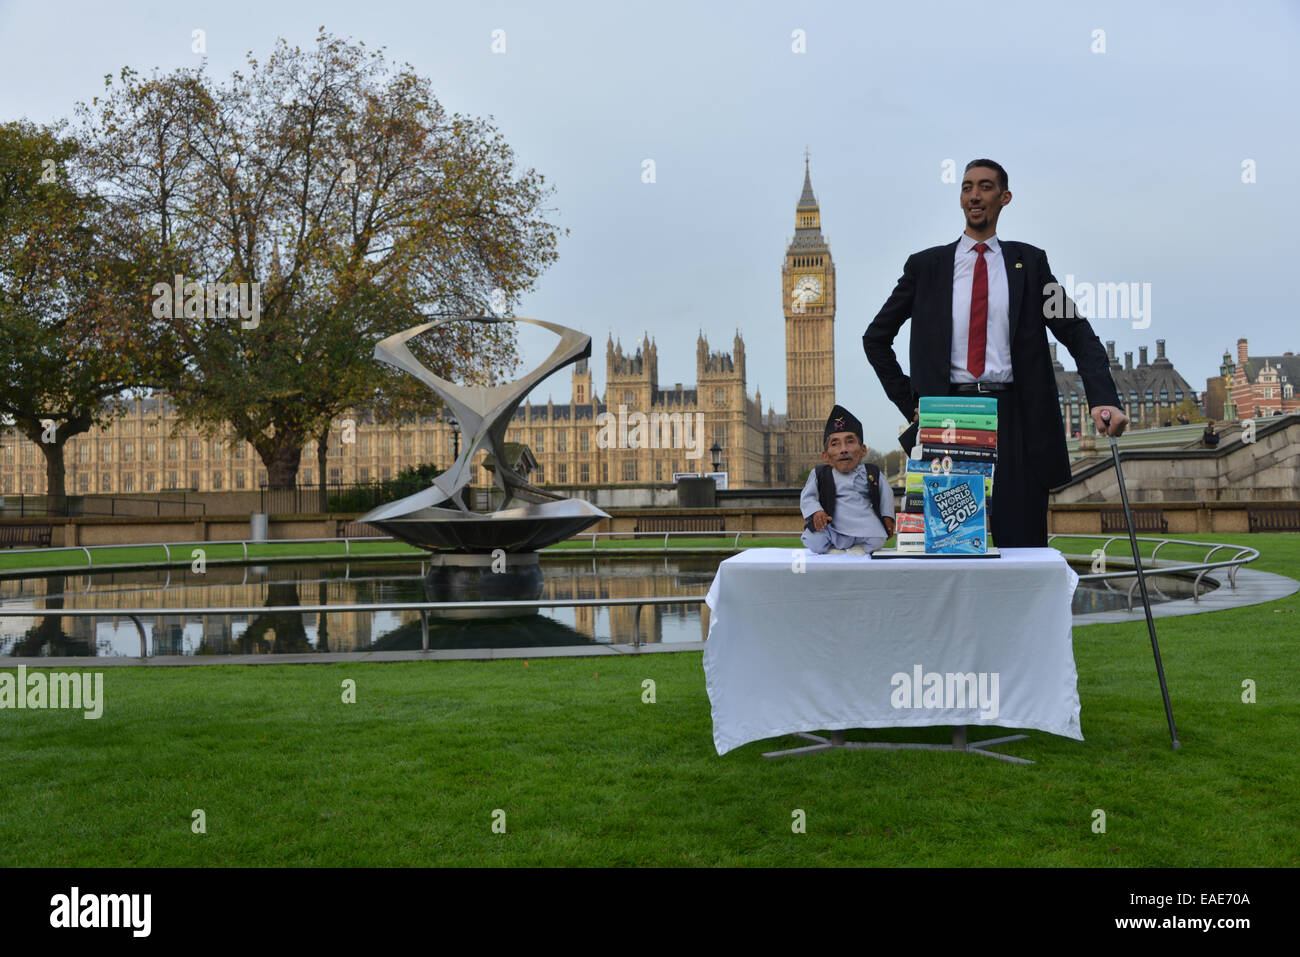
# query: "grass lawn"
x,y
587,773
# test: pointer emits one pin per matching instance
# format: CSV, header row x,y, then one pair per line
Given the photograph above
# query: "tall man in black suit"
x,y
980,308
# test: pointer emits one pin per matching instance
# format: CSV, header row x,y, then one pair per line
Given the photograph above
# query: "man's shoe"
x,y
858,550
836,551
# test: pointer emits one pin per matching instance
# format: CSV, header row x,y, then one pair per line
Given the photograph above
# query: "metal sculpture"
x,y
484,413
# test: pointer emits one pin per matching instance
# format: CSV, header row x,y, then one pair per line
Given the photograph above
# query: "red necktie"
x,y
979,315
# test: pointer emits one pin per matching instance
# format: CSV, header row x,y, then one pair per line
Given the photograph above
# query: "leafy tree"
x,y
359,207
67,346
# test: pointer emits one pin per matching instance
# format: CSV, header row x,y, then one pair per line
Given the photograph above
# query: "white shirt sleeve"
x,y
886,497
809,504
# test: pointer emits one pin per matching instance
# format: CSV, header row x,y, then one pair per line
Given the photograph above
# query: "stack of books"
x,y
950,476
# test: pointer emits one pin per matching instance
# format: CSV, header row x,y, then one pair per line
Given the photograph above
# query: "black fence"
x,y
74,506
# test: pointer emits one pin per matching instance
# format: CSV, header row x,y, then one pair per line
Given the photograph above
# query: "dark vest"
x,y
826,490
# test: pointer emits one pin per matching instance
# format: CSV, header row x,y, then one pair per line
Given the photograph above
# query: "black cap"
x,y
841,420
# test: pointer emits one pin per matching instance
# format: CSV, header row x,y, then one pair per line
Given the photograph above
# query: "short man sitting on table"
x,y
847,509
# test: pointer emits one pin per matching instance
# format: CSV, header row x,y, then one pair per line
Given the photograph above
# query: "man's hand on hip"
x,y
1118,420
820,520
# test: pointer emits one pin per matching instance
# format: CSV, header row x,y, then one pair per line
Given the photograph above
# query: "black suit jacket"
x,y
924,294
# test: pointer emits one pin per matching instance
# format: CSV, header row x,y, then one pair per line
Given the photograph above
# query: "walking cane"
x,y
1142,584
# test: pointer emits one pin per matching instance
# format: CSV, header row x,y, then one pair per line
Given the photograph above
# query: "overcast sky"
x,y
1126,165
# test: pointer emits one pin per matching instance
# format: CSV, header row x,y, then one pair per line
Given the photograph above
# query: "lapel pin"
x,y
1017,265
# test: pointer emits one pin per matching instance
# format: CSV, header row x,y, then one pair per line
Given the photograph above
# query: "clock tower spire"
x,y
808,294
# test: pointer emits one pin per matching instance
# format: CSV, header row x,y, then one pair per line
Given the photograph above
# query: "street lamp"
x,y
455,434
715,454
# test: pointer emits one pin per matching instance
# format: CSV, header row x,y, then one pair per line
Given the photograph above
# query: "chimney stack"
x,y
1242,354
1142,356
1110,351
1128,361
1160,349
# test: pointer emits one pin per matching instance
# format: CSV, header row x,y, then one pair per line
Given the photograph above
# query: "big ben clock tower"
x,y
808,295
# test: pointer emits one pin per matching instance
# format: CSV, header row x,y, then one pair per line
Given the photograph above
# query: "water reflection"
x,y
338,583
373,581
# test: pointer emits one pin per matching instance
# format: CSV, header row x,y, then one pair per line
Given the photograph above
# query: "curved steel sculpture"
x,y
484,413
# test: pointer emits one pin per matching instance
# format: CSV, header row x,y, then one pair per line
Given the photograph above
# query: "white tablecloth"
x,y
852,642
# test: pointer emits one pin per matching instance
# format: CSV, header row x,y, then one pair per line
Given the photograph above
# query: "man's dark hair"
x,y
996,167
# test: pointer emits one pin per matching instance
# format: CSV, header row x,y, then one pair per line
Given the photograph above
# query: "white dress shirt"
x,y
997,350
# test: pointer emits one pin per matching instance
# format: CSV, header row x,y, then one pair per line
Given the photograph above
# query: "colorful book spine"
x,y
910,523
918,472
954,515
968,453
914,502
958,404
958,420
980,438
948,463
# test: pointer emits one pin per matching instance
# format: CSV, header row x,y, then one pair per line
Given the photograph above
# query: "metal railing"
x,y
125,506
1151,569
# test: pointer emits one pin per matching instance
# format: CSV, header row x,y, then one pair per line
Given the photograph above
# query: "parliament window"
x,y
306,476
539,444
196,450
106,482
128,482
217,481
584,473
128,451
151,480
584,441
173,452
241,479
561,472
562,442
150,451
629,470
629,396
106,451
408,445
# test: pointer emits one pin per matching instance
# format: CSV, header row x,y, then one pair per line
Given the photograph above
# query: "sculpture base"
x,y
523,528
459,576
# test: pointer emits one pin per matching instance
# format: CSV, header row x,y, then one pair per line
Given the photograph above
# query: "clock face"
x,y
808,288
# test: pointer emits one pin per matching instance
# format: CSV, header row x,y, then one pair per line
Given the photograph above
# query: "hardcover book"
x,y
967,453
957,420
954,515
980,438
961,404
